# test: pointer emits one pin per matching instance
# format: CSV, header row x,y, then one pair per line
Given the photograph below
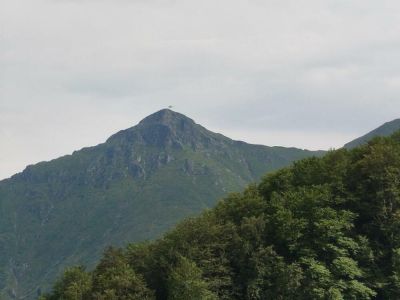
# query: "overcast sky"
x,y
312,74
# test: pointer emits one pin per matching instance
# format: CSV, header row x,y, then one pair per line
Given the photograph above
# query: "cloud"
x,y
311,74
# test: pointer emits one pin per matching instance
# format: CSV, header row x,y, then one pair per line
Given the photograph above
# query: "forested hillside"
x,y
325,228
134,187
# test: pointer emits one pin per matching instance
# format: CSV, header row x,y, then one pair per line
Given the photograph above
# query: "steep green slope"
x,y
386,129
325,228
134,187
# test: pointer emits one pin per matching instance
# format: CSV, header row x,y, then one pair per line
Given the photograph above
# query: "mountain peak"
x,y
133,187
162,128
166,117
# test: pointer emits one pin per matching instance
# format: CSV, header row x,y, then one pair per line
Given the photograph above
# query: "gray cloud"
x,y
312,74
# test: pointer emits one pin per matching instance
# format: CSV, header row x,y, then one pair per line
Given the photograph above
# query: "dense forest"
x,y
324,228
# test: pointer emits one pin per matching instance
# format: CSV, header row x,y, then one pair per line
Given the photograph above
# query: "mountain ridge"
x,y
385,129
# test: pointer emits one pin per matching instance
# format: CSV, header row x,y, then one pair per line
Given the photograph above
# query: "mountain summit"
x,y
167,117
165,128
133,187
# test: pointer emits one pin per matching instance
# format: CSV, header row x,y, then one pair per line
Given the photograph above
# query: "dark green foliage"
x,y
75,284
185,282
134,187
325,228
113,279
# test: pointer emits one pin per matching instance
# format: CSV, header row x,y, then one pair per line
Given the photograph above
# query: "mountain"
x,y
133,187
324,228
386,129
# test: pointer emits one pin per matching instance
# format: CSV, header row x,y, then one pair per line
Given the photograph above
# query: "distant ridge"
x,y
385,130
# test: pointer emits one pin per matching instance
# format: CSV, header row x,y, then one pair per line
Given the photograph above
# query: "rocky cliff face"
x,y
133,187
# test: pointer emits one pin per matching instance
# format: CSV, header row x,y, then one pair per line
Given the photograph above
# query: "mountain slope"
x,y
324,228
385,130
136,185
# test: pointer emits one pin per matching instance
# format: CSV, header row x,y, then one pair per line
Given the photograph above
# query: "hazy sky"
x,y
312,74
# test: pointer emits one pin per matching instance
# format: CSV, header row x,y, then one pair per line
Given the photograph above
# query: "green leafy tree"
x,y
185,282
75,284
114,279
